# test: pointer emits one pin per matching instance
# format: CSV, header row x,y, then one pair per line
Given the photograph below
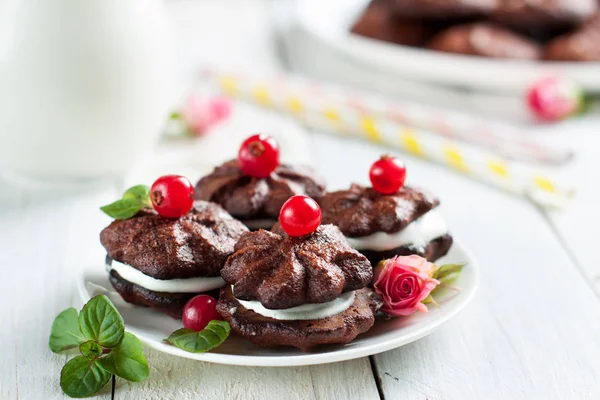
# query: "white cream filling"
x,y
189,285
259,223
418,233
305,311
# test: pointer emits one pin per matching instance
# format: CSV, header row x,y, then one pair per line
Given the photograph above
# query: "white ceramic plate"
x,y
152,327
329,22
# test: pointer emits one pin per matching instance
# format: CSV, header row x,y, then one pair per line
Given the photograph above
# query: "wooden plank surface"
x,y
44,237
178,378
578,226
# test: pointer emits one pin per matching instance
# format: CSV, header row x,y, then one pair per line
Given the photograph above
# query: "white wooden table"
x,y
532,332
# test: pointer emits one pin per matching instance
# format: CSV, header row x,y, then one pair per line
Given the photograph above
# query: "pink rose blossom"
x,y
201,114
553,99
404,282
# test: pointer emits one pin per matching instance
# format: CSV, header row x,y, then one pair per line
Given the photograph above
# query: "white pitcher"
x,y
85,85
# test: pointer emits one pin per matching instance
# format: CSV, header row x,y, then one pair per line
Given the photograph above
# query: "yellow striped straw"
x,y
328,113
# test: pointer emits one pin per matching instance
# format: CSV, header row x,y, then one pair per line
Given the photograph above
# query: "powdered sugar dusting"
x,y
184,252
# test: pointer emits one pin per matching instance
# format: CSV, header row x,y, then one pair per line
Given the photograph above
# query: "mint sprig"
x,y
81,377
208,338
140,193
127,360
105,348
65,332
100,321
133,200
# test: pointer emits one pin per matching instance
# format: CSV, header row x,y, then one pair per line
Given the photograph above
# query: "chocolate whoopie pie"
x,y
162,262
379,22
485,39
257,201
381,226
297,291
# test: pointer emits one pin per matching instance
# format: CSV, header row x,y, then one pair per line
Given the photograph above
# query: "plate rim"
x,y
305,359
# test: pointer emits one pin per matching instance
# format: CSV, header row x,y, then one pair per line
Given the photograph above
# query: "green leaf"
x,y
81,377
448,272
65,333
127,360
210,337
141,193
90,349
99,320
430,300
122,209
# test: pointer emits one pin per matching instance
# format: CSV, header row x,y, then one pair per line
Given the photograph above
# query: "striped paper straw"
x,y
337,118
503,139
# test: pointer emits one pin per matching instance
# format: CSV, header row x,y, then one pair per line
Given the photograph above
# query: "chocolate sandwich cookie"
x,y
257,201
545,14
162,262
297,291
443,9
304,334
580,45
384,225
379,22
486,40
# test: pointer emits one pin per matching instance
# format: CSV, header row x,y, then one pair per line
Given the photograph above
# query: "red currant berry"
x,y
553,99
299,216
199,311
387,175
258,156
172,196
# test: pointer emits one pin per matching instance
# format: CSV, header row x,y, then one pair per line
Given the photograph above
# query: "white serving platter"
x,y
152,327
329,22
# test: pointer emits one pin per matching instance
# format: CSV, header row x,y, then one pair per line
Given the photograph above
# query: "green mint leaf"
x,y
81,377
210,337
99,320
127,360
65,333
448,272
90,349
122,209
141,193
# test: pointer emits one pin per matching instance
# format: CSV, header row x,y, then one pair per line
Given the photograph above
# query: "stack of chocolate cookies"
x,y
297,291
295,269
512,29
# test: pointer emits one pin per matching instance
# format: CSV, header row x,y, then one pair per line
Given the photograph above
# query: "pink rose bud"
x,y
220,108
202,114
553,99
404,282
